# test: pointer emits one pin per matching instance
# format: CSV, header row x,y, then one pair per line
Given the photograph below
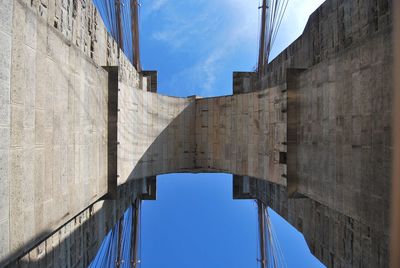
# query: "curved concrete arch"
x,y
67,142
241,134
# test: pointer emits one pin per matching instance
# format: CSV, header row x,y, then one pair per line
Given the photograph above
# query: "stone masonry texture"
x,y
78,142
57,128
338,75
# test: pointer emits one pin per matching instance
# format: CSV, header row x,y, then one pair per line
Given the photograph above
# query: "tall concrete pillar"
x,y
395,208
6,22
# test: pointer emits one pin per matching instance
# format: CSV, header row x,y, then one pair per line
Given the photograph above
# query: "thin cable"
x,y
275,11
280,21
124,37
278,245
273,251
258,27
137,37
278,252
257,245
140,234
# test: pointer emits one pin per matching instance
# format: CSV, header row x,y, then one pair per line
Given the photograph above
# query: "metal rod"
x,y
136,232
261,54
119,247
261,223
135,34
395,209
119,24
133,3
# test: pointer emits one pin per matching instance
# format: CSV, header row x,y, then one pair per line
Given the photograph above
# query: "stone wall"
x,y
54,89
336,26
54,117
334,238
161,136
6,11
76,243
55,122
81,26
56,157
339,80
242,134
344,132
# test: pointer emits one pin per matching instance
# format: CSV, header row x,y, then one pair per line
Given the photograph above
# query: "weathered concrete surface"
x,y
53,118
76,243
344,132
344,144
56,128
240,134
161,135
395,205
339,80
54,135
333,237
6,9
334,27
54,98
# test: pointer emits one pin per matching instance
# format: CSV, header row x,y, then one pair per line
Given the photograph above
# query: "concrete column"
x,y
6,11
152,81
395,212
244,82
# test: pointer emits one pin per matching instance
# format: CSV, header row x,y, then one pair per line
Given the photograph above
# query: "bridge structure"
x,y
84,133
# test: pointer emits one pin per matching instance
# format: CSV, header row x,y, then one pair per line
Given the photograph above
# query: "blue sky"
x,y
195,45
195,223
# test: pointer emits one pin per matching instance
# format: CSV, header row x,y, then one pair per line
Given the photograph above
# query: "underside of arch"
x,y
243,134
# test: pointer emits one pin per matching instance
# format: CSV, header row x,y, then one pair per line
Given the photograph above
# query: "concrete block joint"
x,y
80,142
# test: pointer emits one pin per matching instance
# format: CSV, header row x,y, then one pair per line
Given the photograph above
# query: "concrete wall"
x,y
339,80
54,98
80,25
56,154
6,10
76,243
161,137
334,27
344,132
336,239
242,134
53,91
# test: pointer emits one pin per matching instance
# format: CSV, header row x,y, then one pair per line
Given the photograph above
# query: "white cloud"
x,y
228,26
245,31
242,32
207,70
209,66
245,16
179,22
154,6
157,4
173,37
179,30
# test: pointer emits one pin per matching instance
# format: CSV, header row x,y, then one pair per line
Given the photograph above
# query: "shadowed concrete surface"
x,y
239,134
80,142
395,205
339,132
